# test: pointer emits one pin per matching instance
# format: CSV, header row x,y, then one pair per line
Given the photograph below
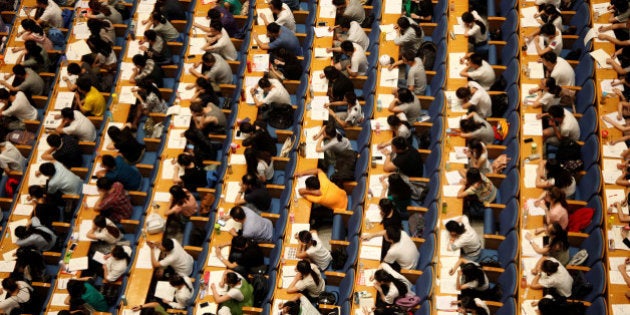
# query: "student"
x,y
475,98
81,292
84,70
125,142
146,70
186,172
235,6
280,37
209,118
214,68
183,292
283,14
464,238
46,209
253,193
352,9
557,245
60,179
218,41
477,154
419,10
26,80
407,103
352,31
204,92
558,68
390,285
103,229
319,189
399,128
183,203
416,77
551,173
257,137
176,257
312,249
285,66
473,281
118,170
245,256
391,219
220,13
473,126
409,35
273,91
10,158
103,29
113,201
357,63
477,186
552,275
562,124
116,263
17,293
36,236
239,294
16,107
402,253
30,266
475,29
478,70
556,208
74,123
552,39
64,149
353,116
468,305
626,276
307,280
330,141
151,308
148,100
260,164
299,306
34,56
548,96
162,27
338,84
158,50
403,158
103,11
103,51
48,13
254,226
550,14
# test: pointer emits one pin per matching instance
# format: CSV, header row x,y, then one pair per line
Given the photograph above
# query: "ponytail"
x,y
304,267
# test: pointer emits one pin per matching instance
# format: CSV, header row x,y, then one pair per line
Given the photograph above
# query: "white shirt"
x,y
469,242
11,157
556,3
225,47
286,18
23,296
52,15
117,267
475,30
556,43
21,108
393,292
358,61
405,252
318,254
561,280
570,127
481,99
105,236
563,73
357,35
81,127
484,75
183,295
277,94
179,260
548,100
308,285
265,170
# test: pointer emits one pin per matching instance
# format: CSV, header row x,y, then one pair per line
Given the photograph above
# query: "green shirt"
x,y
235,6
94,298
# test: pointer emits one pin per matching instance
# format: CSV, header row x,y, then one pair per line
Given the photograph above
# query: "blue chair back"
x,y
424,284
430,220
508,280
352,251
597,307
590,184
427,252
508,249
597,277
508,308
590,151
598,215
584,98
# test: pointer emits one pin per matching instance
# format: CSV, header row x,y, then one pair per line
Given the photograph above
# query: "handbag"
x,y
408,302
155,224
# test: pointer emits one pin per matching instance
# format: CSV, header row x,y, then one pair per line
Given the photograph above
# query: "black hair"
x,y
476,59
312,182
404,24
556,111
246,127
338,2
307,238
237,213
239,241
4,94
550,56
409,55
387,206
393,234
118,252
168,244
108,161
455,227
294,307
264,82
251,180
351,98
304,267
208,57
558,237
476,147
562,177
179,195
549,267
331,131
344,22
150,35
548,29
36,191
185,159
139,60
101,222
331,73
550,84
400,143
472,272
104,183
74,68
9,284
398,187
470,125
84,84
273,28
75,288
33,50
467,17
383,276
277,4
47,169
231,279
405,95
473,176
157,16
347,46
19,70
463,92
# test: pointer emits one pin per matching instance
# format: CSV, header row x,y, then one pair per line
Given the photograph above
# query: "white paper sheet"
x,y
213,260
231,224
596,27
532,209
267,13
10,255
444,248
377,155
614,195
375,241
614,151
448,283
176,140
375,185
322,31
443,302
607,86
615,234
22,209
615,277
327,11
300,183
143,260
528,309
99,257
195,45
164,290
311,153
450,190
84,228
7,265
453,177
610,172
389,78
318,112
11,57
536,70
322,53
620,309
77,264
381,122
454,66
231,191
527,249
64,100
58,299
459,29
532,127
13,225
318,84
531,47
260,62
76,50
600,57
297,228
393,7
370,253
530,175
373,213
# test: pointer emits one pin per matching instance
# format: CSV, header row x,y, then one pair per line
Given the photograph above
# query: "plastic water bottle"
x,y
444,207
132,31
378,128
525,214
123,299
361,274
292,217
379,105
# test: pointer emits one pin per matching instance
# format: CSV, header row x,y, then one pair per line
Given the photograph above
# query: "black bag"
x,y
474,208
499,84
416,224
261,287
427,52
570,155
494,294
326,298
500,104
367,22
490,261
345,165
339,258
279,116
581,287
110,292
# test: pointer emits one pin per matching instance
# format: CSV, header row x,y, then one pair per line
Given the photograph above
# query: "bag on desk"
x,y
155,224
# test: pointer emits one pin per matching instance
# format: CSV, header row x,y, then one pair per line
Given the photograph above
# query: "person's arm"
x,y
541,50
395,64
91,234
310,172
540,250
388,165
624,273
463,191
261,45
318,146
218,298
459,262
9,87
154,261
227,263
613,40
48,154
331,113
616,124
616,66
393,106
292,287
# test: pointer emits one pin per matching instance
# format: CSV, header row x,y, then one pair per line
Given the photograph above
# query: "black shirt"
x,y
69,153
251,257
129,147
173,10
409,163
261,140
194,178
259,197
340,87
393,221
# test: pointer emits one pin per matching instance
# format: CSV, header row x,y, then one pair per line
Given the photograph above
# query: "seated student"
x,y
76,71
146,70
158,50
549,13
183,204
397,188
273,92
214,68
353,116
74,123
60,179
46,209
352,31
204,92
103,11
283,14
555,205
245,256
477,154
402,253
88,99
220,13
239,294
103,51
557,245
162,26
420,10
400,128
356,64
29,265
17,292
473,281
103,229
26,80
104,29
125,142
186,172
331,141
253,193
407,103
285,66
308,280
403,158
558,68
473,126
476,98
113,201
478,70
390,285
117,169
218,41
552,275
257,137
338,84
35,236
116,263
279,37
33,31
415,78
548,96
174,257
469,305
319,189
10,158
299,306
209,118
312,249
551,173
621,11
552,39
391,218
464,238
183,292
82,292
260,164
409,35
562,124
148,100
17,107
34,56
475,29
254,226
64,149
352,9
477,186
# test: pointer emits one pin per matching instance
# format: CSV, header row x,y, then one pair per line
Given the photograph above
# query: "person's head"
x,y
550,10
237,214
476,148
469,125
150,35
290,308
239,242
9,284
74,68
75,288
454,228
168,244
185,160
28,24
331,73
409,56
305,269
340,4
549,59
555,195
250,181
548,29
232,279
196,107
347,47
273,29
54,140
21,232
36,191
468,304
118,252
305,237
330,132
386,206
557,113
157,17
32,48
214,13
178,193
264,84
620,5
398,188
47,169
275,6
405,95
473,176
400,144
100,221
472,272
344,23
67,114
552,87
4,95
42,4
104,184
403,23
139,60
176,281
467,17
549,267
246,127
476,60
463,93
392,234
108,161
215,27
312,183
203,84
19,71
208,59
114,133
558,237
383,277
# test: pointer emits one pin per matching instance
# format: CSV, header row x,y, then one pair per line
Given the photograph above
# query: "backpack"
x,y
21,137
570,155
326,298
500,163
501,130
67,16
345,166
428,52
580,219
581,287
416,224
499,84
499,104
408,302
10,186
279,116
579,258
155,224
339,257
57,38
261,287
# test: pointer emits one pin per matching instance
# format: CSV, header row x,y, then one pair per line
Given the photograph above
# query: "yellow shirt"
x,y
94,102
332,196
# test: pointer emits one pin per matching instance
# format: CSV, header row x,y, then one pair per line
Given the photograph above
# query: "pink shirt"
x,y
557,213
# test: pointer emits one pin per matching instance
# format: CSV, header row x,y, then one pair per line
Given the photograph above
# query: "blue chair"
x,y
590,184
510,25
508,217
514,121
436,132
437,106
360,169
427,252
271,283
425,308
509,50
594,244
582,17
440,55
432,163
437,83
597,220
358,194
439,33
507,251
283,202
430,220
439,10
512,151
280,225
344,290
424,284
508,280
597,277
280,177
368,108
339,229
352,250
508,308
584,98
509,187
513,95
363,140
511,74
597,307
274,256
590,151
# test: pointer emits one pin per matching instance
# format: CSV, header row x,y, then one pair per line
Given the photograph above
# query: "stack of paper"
x,y
531,46
450,190
11,57
455,66
267,13
327,11
532,126
373,213
319,84
615,234
600,57
77,264
231,224
607,86
393,7
133,48
527,249
322,31
213,259
610,171
322,53
459,29
261,62
176,140
80,30
389,78
370,253
300,183
59,299
195,45
445,302
530,175
614,151
528,309
251,82
84,228
444,248
22,209
318,111
536,70
381,122
620,309
612,196
126,95
389,30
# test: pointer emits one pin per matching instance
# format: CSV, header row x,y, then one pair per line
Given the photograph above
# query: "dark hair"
x,y
19,70
468,302
101,222
383,276
214,13
204,83
48,169
476,59
550,56
405,95
104,183
338,2
28,24
463,92
196,107
251,180
476,147
473,176
351,98
43,2
231,279
185,159
398,187
237,213
168,244
246,127
470,125
558,237
74,68
621,6
550,84
472,272
344,22
36,191
208,57
404,24
9,284
294,307
150,35
557,195
157,16
400,143
118,252
304,267
548,29
467,17
33,50
387,206
114,133
273,28
53,140
23,232
276,4
409,55
75,288
108,161
216,24
264,82
312,182
67,113
549,267
455,227
307,238
179,195
239,241
4,94
139,60
347,46
331,73
556,111
331,132
393,233
562,177
177,280
100,46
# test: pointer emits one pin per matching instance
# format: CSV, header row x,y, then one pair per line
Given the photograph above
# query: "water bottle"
x,y
132,31
444,207
611,221
361,274
292,217
379,105
525,214
378,128
123,299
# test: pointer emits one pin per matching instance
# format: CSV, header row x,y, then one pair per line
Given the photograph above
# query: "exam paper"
x,y
450,190
297,228
370,253
530,175
614,151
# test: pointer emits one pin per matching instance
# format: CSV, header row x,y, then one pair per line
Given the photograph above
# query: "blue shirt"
x,y
126,174
288,40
